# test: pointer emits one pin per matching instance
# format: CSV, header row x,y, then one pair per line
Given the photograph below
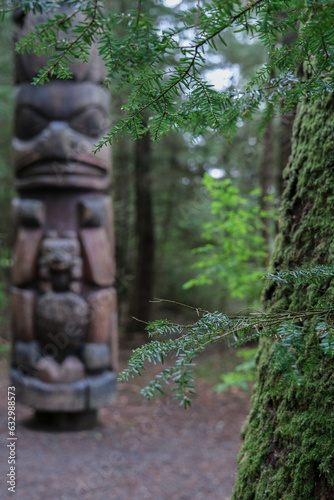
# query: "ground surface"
x,y
140,450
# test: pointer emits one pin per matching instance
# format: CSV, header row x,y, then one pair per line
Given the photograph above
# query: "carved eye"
x,y
92,122
29,123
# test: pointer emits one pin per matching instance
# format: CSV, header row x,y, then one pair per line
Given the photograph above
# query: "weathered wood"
x,y
26,356
23,303
25,255
101,389
61,121
96,356
48,370
27,66
63,303
50,397
98,264
102,304
65,313
91,393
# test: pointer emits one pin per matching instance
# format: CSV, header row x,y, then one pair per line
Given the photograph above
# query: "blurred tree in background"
x,y
180,203
7,190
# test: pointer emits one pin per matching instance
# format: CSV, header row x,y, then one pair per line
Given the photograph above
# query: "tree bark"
x,y
143,287
266,174
289,436
285,129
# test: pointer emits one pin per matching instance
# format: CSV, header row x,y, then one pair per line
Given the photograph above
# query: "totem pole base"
x,y
75,402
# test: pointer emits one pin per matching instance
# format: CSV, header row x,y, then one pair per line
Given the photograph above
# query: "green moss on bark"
x,y
288,452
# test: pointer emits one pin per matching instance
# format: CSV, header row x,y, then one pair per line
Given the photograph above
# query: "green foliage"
x,y
298,276
325,332
188,341
242,374
163,67
235,252
4,349
287,350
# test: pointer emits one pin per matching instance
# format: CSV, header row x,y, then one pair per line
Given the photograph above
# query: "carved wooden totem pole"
x,y
63,302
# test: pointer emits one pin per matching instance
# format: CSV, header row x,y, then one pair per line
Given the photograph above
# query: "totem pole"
x,y
63,302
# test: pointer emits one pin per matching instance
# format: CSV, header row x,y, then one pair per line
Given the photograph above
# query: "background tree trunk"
x,y
276,153
285,134
266,181
289,436
144,229
285,129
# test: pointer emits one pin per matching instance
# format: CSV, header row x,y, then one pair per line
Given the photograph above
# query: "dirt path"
x,y
140,451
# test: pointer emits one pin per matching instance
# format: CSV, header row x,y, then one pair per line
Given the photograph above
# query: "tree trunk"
x,y
267,169
285,134
143,288
289,436
123,207
285,129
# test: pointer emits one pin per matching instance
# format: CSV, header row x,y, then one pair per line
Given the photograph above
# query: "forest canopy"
x,y
162,64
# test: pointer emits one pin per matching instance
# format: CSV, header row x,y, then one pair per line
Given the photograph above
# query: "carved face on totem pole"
x,y
56,127
64,306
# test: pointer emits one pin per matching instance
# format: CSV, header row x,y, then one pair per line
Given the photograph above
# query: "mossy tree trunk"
x,y
288,451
